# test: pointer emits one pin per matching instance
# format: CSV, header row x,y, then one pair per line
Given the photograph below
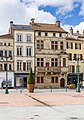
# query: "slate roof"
x,y
22,27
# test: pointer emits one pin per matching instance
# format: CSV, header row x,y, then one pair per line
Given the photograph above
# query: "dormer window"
x,y
54,34
39,33
46,34
60,34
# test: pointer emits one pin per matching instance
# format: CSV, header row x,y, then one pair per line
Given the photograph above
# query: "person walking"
x,y
2,85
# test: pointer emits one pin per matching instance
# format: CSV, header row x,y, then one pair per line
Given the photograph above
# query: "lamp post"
x,y
78,81
6,90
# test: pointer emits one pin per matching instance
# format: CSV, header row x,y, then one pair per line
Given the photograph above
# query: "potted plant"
x,y
72,86
31,82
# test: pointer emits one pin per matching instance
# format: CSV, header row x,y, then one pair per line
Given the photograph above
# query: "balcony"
x,y
40,69
48,69
64,69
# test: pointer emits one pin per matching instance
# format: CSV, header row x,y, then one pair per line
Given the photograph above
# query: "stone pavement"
x,y
42,106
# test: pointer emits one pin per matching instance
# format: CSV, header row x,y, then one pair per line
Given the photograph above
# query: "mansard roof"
x,y
21,27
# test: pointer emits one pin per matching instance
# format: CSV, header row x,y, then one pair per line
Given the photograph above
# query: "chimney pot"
x,y
58,23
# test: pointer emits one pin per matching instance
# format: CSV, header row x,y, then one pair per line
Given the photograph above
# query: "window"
x,y
60,34
39,33
69,45
54,62
77,68
40,44
77,45
1,43
10,53
64,62
5,52
24,66
19,51
29,38
19,65
40,79
40,62
1,67
19,38
1,53
53,34
46,34
5,67
61,45
54,45
70,69
28,51
54,80
78,56
69,56
8,44
28,65
4,44
10,67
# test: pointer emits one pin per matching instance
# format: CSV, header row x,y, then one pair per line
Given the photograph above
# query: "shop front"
x,y
20,79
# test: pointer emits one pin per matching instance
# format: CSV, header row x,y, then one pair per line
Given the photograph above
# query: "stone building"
x,y
51,61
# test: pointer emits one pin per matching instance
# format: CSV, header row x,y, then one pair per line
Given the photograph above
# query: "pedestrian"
x,y
2,85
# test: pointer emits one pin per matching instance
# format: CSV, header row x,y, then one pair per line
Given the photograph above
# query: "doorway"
x,y
24,84
62,82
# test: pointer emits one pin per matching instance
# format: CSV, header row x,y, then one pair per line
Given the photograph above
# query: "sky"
x,y
69,12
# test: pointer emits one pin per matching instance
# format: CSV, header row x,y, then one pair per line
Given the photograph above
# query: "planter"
x,y
30,88
71,86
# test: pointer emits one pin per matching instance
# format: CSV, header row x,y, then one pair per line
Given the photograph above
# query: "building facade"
x,y
51,61
75,49
6,60
23,53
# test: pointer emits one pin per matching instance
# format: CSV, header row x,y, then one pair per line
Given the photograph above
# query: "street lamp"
x,y
6,88
78,81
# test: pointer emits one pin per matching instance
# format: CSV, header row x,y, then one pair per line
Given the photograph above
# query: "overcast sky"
x,y
69,12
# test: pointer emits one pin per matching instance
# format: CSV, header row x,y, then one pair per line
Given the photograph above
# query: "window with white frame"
x,y
19,37
1,52
29,38
19,51
19,65
28,65
40,44
10,67
77,45
28,51
10,53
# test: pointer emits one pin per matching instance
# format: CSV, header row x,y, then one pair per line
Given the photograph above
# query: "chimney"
x,y
71,31
32,21
11,27
58,23
77,31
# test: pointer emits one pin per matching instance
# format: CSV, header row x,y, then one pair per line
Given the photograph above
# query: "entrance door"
x,y
62,83
25,82
47,64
